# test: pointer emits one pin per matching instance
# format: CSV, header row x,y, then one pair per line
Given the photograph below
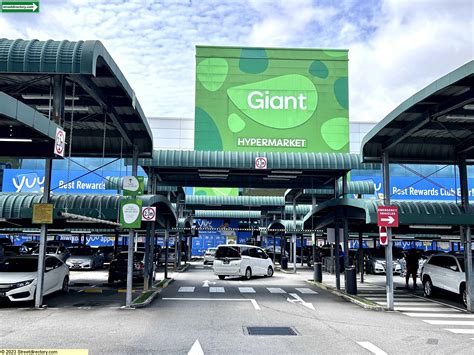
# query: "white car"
x,y
446,272
242,260
18,277
209,256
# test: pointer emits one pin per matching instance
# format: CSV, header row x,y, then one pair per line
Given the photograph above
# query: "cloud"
x,y
396,47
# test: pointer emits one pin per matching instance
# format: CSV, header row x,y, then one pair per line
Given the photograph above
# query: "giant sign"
x,y
268,99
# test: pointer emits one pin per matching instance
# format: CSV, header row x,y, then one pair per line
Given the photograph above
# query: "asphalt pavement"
x,y
200,312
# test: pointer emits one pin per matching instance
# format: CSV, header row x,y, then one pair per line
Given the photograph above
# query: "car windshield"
x,y
19,265
51,250
81,251
228,252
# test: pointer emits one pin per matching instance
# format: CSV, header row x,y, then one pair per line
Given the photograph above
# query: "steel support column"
x,y
43,238
167,236
361,256
388,248
293,238
466,234
131,243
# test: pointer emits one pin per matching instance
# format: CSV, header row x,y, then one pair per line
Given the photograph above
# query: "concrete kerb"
x,y
160,286
360,301
183,269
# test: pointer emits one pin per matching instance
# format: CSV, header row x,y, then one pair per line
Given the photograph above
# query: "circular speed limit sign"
x,y
149,213
260,162
59,142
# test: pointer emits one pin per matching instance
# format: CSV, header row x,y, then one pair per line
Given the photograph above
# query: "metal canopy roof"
x,y
286,225
16,209
414,216
433,126
26,68
228,214
237,169
19,121
364,187
256,203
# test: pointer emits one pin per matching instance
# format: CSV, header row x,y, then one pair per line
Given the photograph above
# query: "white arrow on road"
x,y
206,283
298,299
196,349
390,219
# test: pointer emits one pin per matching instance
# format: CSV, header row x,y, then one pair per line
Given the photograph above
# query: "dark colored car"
x,y
5,241
108,252
118,267
29,246
171,256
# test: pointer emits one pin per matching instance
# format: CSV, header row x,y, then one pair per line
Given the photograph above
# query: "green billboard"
x,y
270,99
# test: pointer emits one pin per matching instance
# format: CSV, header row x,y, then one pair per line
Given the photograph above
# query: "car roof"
x,y
238,245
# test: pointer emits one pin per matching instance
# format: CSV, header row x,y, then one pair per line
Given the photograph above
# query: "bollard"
x,y
351,280
318,272
284,263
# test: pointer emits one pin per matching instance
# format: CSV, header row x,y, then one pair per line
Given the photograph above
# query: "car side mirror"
x,y
48,268
454,268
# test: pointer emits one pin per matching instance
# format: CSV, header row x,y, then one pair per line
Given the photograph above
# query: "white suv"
x,y
446,272
242,260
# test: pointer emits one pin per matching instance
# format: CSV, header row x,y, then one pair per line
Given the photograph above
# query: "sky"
x,y
396,47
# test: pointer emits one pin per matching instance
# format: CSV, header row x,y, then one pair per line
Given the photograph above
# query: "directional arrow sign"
x,y
19,6
387,216
299,300
206,283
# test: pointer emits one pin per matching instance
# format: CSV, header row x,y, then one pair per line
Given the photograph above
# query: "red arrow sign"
x,y
387,216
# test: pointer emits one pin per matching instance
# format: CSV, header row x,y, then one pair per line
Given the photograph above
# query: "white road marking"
x,y
449,322
461,331
411,303
246,290
298,299
207,283
253,301
189,289
275,290
307,291
371,347
439,315
255,304
425,309
196,349
216,290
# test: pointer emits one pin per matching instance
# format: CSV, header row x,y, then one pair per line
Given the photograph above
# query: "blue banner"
x,y
417,188
26,180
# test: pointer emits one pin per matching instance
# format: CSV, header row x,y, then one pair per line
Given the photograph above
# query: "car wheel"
x,y
270,271
428,287
221,277
248,273
65,287
464,295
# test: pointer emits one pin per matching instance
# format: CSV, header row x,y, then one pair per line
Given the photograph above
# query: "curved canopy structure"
x,y
102,95
434,126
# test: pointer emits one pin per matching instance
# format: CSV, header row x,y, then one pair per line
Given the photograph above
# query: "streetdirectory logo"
x,y
20,6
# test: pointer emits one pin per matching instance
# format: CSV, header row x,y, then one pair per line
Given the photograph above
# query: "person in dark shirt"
x,y
411,259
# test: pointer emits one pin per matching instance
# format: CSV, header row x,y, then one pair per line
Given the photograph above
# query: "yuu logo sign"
x,y
28,182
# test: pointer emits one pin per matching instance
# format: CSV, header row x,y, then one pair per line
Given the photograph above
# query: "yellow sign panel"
x,y
42,213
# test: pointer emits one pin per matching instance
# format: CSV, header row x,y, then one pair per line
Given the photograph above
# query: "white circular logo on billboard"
x,y
131,183
130,212
260,162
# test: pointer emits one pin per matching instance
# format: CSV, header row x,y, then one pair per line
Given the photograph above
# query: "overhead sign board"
x,y
271,99
387,216
42,213
60,142
261,163
133,185
148,214
19,6
131,213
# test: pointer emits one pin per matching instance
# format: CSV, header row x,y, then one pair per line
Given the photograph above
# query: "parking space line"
x,y
124,290
186,289
306,291
371,347
439,315
246,290
275,290
425,309
449,322
216,290
460,331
